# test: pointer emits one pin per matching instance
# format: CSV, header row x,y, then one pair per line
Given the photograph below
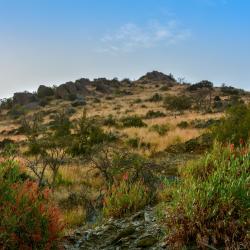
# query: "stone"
x,y
146,240
44,91
155,76
126,233
23,98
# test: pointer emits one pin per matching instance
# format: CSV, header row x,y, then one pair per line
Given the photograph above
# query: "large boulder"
x,y
106,86
44,91
23,98
61,92
69,89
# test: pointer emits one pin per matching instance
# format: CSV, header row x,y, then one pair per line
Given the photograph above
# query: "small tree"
x,y
48,148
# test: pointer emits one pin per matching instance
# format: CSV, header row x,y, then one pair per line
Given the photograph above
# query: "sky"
x,y
53,41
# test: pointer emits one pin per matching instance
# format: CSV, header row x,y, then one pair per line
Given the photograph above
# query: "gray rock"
x,y
23,98
44,91
146,240
128,233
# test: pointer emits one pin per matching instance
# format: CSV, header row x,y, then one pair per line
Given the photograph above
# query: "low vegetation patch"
x,y
154,114
210,206
235,126
124,198
133,121
160,129
178,103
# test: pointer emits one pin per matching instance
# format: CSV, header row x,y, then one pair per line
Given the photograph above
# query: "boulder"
x,y
23,98
61,92
69,89
44,91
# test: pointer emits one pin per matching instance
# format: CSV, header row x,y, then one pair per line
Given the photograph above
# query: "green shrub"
x,y
125,198
138,100
29,220
133,121
137,143
110,121
133,142
183,124
154,114
17,111
235,126
87,135
164,88
178,103
210,206
160,129
155,98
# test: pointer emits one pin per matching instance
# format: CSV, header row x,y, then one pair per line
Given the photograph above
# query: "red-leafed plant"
x,y
29,219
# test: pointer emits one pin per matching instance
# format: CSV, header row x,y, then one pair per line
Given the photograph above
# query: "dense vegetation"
x,y
210,205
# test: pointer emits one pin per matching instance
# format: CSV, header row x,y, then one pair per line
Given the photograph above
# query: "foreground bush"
x,y
28,218
211,205
125,198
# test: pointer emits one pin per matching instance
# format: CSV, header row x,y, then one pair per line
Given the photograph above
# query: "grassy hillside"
x,y
112,149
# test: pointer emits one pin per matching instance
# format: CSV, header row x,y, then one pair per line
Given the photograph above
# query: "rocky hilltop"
x,y
84,87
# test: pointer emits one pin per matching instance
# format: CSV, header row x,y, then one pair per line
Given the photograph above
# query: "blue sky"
x,y
53,41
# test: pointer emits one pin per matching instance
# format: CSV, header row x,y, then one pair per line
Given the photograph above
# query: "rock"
x,y
146,240
61,92
155,76
67,90
127,233
22,98
124,233
44,91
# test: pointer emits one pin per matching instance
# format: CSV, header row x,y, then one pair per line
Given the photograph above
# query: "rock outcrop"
x,y
23,98
155,76
44,91
106,86
139,231
68,89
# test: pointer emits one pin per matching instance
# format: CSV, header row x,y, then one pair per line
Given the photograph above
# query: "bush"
x,y
183,124
110,121
137,143
235,126
87,135
154,114
155,98
178,103
164,88
29,220
200,85
210,205
17,111
125,198
133,121
229,90
160,129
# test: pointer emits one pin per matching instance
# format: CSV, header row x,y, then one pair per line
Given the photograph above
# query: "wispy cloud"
x,y
131,36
